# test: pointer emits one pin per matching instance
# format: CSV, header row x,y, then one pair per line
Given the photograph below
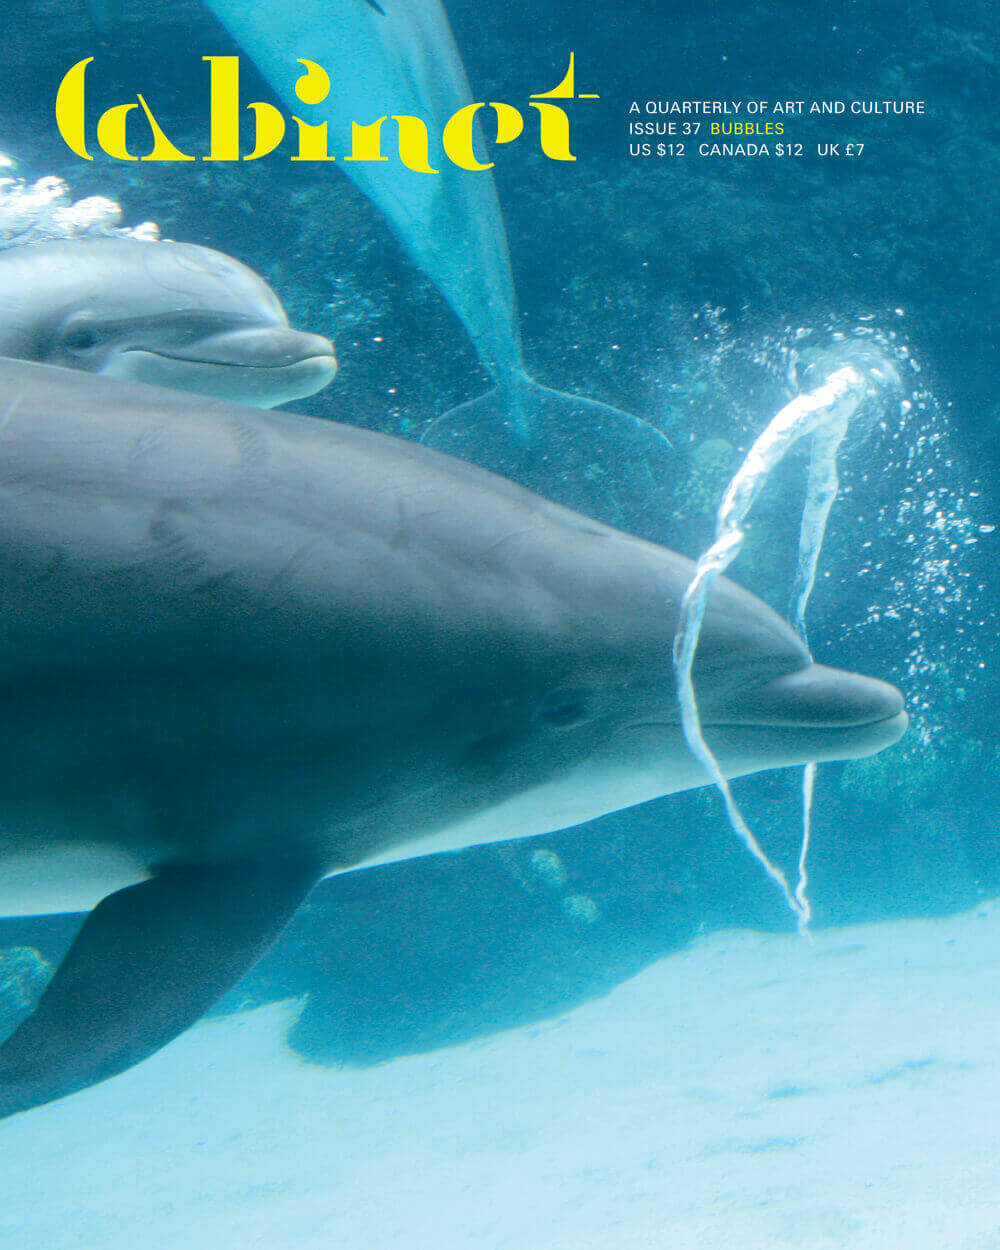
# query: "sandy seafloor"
x,y
754,1091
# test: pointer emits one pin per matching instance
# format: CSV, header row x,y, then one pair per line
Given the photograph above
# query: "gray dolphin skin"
x,y
173,314
243,650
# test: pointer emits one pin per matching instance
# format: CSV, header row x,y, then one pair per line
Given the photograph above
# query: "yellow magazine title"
x,y
458,138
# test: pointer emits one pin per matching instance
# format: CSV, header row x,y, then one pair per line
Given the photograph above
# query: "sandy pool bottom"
x,y
751,1092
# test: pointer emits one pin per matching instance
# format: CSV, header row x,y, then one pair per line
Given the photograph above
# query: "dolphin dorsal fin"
x,y
147,962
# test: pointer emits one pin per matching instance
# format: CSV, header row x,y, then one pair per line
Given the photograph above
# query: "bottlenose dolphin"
x,y
399,58
174,314
245,650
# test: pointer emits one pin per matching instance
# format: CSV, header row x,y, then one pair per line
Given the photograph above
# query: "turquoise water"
x,y
611,1034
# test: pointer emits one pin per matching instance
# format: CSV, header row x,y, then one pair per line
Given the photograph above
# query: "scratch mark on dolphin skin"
x,y
144,445
10,410
281,575
250,447
167,535
409,518
488,551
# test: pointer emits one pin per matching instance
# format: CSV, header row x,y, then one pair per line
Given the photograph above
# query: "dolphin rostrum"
x,y
244,650
174,314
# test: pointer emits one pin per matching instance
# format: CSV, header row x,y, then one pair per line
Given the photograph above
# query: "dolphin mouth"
x,y
246,368
324,366
813,697
800,742
263,347
318,359
814,713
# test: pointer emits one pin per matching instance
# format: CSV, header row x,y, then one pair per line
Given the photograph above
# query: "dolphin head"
x,y
173,314
601,701
763,702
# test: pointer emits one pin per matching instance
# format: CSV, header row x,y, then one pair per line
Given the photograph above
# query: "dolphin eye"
x,y
565,707
82,338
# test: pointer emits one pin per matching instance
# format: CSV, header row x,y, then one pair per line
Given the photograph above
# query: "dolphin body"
x,y
244,650
174,314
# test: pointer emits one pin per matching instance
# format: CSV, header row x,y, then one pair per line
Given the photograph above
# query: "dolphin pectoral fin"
x,y
148,961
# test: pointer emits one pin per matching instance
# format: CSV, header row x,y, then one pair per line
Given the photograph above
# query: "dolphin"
x,y
242,651
174,314
399,58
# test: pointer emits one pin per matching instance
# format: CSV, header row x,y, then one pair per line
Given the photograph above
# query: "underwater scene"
x,y
499,625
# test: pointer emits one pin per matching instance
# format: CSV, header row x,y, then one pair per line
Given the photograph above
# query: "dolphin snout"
x,y
816,696
262,347
263,365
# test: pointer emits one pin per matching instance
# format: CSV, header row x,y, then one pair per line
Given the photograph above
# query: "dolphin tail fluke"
x,y
579,452
147,962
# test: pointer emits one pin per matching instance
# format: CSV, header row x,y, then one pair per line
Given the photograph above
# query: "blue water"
x,y
618,1041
